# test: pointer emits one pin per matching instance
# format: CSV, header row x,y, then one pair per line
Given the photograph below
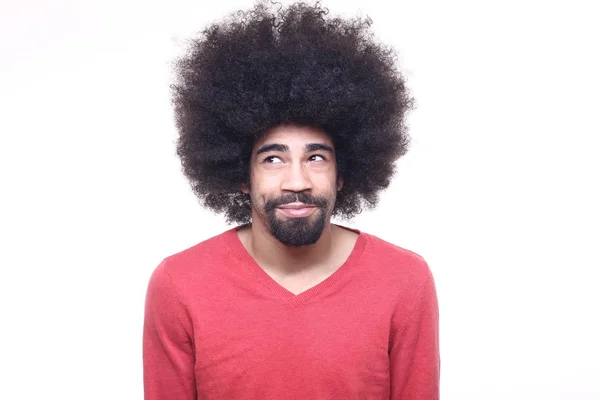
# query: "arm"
x,y
414,352
168,346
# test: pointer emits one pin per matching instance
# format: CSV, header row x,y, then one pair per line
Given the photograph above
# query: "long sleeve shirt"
x,y
217,326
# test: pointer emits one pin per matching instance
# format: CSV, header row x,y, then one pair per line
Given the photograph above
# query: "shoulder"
x,y
197,259
400,266
405,276
393,255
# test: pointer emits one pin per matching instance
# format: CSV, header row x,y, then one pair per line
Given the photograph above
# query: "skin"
x,y
287,160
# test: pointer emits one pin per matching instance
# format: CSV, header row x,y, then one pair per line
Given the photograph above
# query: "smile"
x,y
297,209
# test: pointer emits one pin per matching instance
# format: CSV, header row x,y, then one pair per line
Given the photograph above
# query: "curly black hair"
x,y
268,66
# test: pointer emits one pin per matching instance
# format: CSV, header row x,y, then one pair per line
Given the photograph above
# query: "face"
x,y
293,183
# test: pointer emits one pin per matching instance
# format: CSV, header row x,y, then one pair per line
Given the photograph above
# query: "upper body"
x,y
287,119
219,327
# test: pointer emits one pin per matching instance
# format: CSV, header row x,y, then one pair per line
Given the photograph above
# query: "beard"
x,y
301,231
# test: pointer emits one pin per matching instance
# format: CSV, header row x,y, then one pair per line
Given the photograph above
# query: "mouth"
x,y
297,209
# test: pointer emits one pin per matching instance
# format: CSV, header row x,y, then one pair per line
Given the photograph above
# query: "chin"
x,y
297,231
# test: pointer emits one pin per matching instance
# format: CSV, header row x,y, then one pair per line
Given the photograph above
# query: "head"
x,y
289,76
293,183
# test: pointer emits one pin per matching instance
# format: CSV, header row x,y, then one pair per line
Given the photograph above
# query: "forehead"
x,y
293,136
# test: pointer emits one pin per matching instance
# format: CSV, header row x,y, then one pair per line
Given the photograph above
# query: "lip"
x,y
296,206
297,210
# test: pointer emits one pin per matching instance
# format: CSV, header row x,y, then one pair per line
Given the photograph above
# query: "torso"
x,y
252,339
343,242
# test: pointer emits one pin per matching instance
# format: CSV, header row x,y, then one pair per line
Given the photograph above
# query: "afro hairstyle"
x,y
271,65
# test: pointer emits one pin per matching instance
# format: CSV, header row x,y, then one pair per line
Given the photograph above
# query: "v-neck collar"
x,y
296,300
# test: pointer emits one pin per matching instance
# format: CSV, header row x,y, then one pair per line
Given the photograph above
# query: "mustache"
x,y
305,198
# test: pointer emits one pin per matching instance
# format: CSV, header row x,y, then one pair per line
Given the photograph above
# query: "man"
x,y
286,119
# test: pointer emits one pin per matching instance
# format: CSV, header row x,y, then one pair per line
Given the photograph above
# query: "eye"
x,y
316,157
272,160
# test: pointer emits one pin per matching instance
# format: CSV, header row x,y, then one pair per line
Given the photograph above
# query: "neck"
x,y
276,256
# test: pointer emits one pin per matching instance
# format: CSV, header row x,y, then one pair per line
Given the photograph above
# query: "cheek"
x,y
326,182
263,186
265,183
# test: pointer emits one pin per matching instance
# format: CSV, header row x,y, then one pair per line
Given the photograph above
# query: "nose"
x,y
296,179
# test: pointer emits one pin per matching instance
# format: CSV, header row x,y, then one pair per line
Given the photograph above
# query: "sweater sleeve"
x,y
168,347
414,352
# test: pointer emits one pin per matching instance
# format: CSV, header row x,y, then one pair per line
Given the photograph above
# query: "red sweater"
x,y
217,326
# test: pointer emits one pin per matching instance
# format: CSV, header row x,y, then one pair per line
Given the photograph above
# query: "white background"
x,y
499,191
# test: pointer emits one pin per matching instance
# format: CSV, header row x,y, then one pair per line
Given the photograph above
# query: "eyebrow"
x,y
318,146
284,148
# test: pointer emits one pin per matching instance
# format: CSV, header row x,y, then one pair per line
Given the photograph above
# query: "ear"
x,y
340,183
245,189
